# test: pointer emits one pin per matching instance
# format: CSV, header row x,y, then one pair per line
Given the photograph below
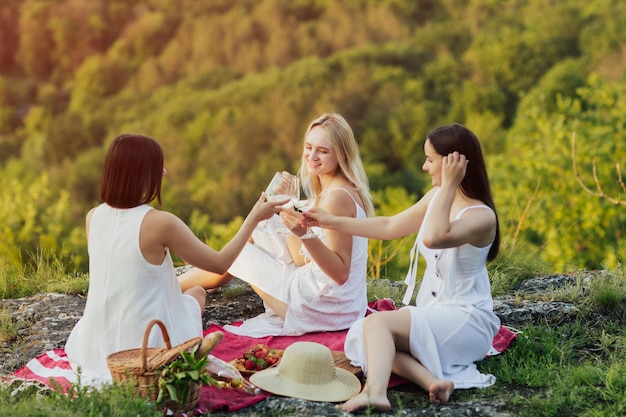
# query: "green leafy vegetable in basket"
x,y
180,376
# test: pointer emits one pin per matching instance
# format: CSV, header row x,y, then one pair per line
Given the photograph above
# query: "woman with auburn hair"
x,y
452,324
314,283
131,275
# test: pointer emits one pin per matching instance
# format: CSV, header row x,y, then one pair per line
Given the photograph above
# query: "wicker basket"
x,y
141,367
195,390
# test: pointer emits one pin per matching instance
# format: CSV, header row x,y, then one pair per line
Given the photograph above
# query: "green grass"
x,y
575,368
8,327
511,267
41,273
111,401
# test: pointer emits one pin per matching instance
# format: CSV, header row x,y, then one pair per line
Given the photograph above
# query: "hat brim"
x,y
345,386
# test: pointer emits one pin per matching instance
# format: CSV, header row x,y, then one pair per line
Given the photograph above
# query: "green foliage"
x,y
378,289
41,272
608,295
538,352
513,265
176,377
583,232
8,327
390,259
36,219
551,357
33,400
228,88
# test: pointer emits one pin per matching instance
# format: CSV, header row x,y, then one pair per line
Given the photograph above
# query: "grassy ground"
x,y
575,368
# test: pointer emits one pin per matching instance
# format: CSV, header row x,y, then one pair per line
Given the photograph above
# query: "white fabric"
x,y
126,292
315,302
452,322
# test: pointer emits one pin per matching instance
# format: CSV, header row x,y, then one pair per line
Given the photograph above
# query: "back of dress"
x,y
126,292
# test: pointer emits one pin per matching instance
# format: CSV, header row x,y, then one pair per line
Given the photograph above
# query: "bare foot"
x,y
440,392
363,400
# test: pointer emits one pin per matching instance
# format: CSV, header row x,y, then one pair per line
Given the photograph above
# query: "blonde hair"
x,y
341,137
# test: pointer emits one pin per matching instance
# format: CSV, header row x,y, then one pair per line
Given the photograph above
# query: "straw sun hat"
x,y
307,371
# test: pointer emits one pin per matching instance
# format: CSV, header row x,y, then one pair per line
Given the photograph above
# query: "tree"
x,y
35,45
568,228
599,191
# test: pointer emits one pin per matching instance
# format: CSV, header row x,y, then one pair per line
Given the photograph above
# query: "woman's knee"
x,y
396,322
199,294
375,321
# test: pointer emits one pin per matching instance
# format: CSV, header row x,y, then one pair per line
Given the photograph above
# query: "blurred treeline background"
x,y
228,87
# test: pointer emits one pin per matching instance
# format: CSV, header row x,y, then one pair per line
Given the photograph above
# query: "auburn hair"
x,y
132,172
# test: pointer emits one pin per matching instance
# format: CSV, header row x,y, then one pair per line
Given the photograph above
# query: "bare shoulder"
x,y
481,221
480,211
88,219
479,208
340,202
90,214
160,219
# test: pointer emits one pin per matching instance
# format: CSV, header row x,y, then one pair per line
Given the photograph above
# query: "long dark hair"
x,y
132,172
455,137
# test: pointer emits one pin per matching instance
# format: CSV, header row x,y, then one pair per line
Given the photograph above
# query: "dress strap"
x,y
347,192
410,275
463,210
410,279
342,189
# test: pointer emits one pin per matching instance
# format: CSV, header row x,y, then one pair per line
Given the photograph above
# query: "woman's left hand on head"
x,y
453,168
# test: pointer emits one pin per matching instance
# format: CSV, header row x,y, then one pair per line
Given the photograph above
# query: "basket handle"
x,y
144,343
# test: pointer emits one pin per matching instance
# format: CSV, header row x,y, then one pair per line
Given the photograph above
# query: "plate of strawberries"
x,y
257,358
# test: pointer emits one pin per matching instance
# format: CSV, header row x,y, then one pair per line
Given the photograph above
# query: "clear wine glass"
x,y
276,190
282,187
305,204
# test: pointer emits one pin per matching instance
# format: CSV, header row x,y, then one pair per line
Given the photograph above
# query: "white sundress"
x,y
315,302
125,293
452,322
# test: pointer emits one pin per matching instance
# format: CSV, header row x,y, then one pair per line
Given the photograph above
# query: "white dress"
x,y
315,302
126,292
452,322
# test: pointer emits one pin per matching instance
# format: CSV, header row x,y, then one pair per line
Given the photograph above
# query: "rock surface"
x,y
44,322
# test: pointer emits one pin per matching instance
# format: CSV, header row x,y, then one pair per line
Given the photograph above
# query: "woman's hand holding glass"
x,y
316,216
283,186
264,208
292,220
304,206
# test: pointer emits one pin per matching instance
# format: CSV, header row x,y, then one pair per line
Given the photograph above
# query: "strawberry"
x,y
259,357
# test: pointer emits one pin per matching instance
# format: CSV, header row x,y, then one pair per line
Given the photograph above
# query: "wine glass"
x,y
282,187
274,190
302,205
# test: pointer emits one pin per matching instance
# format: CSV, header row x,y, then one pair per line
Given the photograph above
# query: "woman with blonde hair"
x,y
314,283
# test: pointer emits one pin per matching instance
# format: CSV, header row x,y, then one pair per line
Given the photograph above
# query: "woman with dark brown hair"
x,y
131,275
452,324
